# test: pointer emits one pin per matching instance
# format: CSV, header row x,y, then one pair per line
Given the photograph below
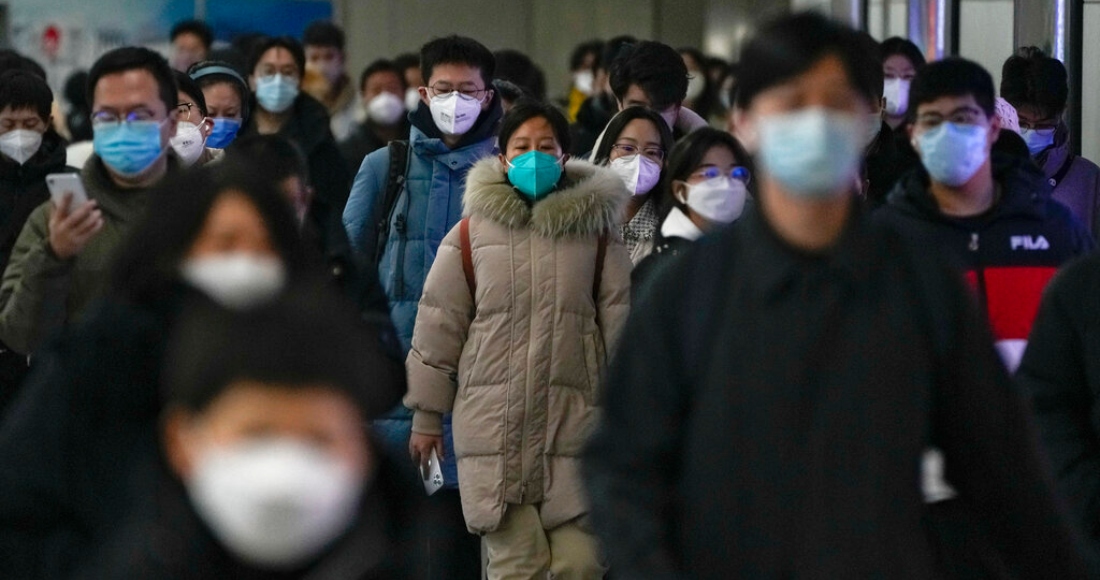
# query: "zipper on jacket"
x,y
399,283
973,247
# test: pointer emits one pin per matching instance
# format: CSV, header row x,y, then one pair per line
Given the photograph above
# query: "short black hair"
x,y
285,42
192,90
952,77
656,68
130,58
20,89
706,104
876,73
308,336
611,50
379,66
593,47
457,50
1012,144
904,47
526,109
519,69
323,33
1030,77
213,72
277,158
508,90
619,122
406,60
689,151
791,45
196,27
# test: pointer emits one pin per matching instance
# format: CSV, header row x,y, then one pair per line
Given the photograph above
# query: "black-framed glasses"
x,y
183,111
627,149
466,92
737,173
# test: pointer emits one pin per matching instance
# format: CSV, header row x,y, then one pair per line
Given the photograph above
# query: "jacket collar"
x,y
1051,160
679,225
123,204
484,128
308,124
591,203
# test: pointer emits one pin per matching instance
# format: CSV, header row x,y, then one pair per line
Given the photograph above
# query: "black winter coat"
x,y
767,411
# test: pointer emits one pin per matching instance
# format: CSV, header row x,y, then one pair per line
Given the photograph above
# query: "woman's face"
x,y
222,100
535,134
718,161
639,136
897,66
233,225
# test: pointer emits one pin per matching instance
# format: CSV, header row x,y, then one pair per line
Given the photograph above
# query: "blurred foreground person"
x,y
772,397
271,472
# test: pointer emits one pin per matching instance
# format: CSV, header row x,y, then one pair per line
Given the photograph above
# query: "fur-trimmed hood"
x,y
593,201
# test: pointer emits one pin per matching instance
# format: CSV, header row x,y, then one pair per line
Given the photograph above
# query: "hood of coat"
x,y
590,202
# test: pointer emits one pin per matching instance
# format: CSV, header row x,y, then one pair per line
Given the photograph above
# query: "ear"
x,y
252,82
744,129
679,191
909,131
564,159
503,161
206,127
488,99
994,131
424,95
178,441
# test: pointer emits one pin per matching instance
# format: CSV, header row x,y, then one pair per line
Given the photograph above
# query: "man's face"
x,y
133,94
277,60
187,49
326,60
380,82
457,77
960,110
635,96
25,118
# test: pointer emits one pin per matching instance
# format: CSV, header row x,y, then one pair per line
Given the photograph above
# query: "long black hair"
x,y
602,156
689,152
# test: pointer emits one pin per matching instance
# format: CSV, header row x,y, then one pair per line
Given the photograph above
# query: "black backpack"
x,y
383,210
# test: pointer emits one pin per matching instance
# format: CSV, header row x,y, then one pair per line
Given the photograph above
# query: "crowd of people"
x,y
824,312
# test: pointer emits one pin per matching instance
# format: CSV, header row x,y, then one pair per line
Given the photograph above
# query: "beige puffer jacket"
x,y
521,368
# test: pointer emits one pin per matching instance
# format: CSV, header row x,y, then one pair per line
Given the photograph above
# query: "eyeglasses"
x,y
468,92
654,153
738,173
104,118
183,111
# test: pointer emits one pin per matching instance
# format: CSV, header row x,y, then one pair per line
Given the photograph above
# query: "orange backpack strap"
x,y
467,255
601,253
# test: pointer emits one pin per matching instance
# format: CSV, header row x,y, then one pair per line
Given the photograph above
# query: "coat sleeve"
x,y
614,293
34,288
1054,374
365,191
439,335
990,447
630,465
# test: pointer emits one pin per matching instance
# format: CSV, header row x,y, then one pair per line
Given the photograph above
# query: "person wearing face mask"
x,y
324,48
883,162
194,126
534,221
991,214
227,100
409,65
651,74
596,110
281,108
191,42
1038,87
901,61
583,63
59,264
382,90
766,350
702,94
708,176
634,146
30,149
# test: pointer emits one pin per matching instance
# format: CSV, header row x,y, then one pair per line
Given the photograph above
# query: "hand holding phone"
x,y
433,475
74,220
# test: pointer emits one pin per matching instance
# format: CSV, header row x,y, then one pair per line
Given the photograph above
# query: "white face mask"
x,y
385,108
696,84
896,92
720,200
20,144
275,503
412,99
455,113
188,142
584,81
236,280
638,172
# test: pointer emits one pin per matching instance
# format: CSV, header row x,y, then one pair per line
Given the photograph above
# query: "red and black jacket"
x,y
1008,254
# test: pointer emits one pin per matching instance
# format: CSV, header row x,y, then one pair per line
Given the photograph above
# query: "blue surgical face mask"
x,y
534,173
276,93
812,153
952,153
1038,140
128,148
225,130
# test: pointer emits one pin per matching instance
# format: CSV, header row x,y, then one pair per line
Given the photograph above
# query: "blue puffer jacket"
x,y
426,209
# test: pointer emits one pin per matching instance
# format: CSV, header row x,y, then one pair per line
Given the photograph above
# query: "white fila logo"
x,y
1029,243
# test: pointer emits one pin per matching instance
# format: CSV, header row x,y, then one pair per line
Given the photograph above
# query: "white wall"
x,y
1090,90
985,33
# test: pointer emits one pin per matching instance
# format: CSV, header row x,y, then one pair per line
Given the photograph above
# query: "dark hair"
x,y
309,336
130,58
24,90
877,75
78,119
526,109
790,46
519,69
148,263
208,73
619,122
952,77
1011,143
593,47
186,85
508,90
656,68
689,151
1030,77
706,103
277,158
12,60
405,61
612,48
381,66
898,45
285,42
323,33
196,27
457,50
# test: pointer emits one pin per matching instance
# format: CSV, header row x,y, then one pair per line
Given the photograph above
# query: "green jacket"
x,y
40,292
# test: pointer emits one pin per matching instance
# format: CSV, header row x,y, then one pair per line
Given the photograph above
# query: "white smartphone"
x,y
433,478
62,183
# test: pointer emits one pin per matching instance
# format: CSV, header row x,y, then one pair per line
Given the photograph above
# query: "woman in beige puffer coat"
x,y
512,338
